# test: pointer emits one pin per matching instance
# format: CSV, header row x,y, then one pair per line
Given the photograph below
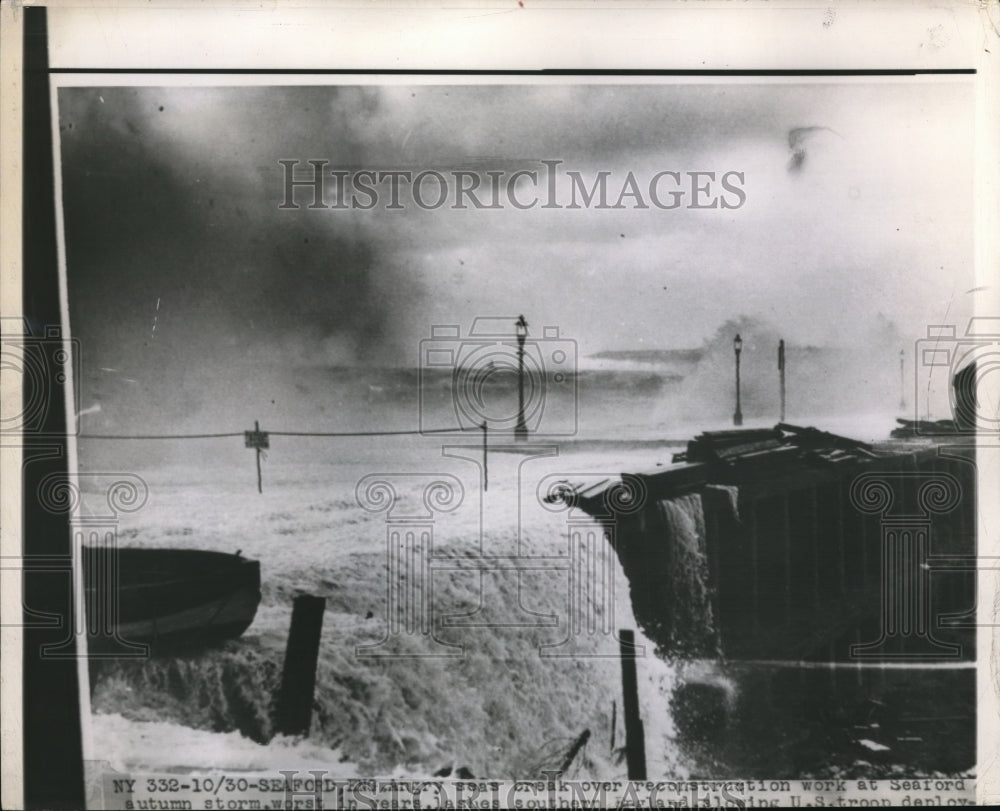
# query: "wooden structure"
x,y
804,545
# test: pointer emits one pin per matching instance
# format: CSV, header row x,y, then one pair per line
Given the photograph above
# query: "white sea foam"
x,y
501,708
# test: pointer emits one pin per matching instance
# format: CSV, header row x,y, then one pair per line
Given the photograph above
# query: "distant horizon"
x,y
638,355
184,271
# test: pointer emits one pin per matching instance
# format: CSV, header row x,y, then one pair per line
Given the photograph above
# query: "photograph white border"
x,y
131,35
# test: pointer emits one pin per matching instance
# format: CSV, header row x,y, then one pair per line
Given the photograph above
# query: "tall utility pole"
x,y
520,430
737,348
781,375
902,386
260,486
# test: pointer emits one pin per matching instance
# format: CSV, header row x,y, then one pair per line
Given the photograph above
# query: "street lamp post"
x,y
520,430
737,348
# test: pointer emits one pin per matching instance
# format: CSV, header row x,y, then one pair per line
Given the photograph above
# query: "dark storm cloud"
x,y
188,223
173,194
171,199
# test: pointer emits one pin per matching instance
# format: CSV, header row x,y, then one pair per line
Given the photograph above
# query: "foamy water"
x,y
491,683
502,707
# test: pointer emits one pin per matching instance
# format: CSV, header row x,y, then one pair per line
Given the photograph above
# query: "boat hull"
x,y
166,598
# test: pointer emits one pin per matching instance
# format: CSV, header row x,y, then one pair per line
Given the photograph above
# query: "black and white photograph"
x,y
509,440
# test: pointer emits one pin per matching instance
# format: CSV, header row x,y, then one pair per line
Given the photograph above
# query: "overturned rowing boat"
x,y
166,598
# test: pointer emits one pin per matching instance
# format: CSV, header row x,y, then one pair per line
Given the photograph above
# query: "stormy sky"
x,y
858,211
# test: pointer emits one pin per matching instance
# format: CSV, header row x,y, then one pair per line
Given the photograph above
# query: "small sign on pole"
x,y
259,441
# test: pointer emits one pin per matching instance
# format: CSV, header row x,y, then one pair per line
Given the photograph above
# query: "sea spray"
x,y
159,746
692,625
496,707
224,690
493,708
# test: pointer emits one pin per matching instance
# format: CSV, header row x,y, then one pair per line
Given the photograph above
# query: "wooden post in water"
x,y
614,721
298,677
635,739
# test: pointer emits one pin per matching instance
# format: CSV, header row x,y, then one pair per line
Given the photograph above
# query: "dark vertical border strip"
x,y
53,767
